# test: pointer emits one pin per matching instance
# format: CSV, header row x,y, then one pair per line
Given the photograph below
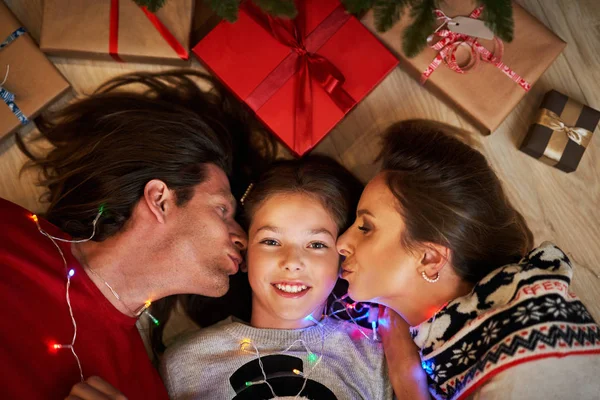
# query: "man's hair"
x,y
107,146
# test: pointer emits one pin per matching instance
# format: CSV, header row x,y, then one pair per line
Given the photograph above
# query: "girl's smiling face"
x,y
292,260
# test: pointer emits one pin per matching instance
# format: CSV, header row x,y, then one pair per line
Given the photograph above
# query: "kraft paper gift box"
x,y
32,81
484,93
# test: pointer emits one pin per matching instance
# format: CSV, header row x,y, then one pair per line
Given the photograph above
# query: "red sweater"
x,y
35,316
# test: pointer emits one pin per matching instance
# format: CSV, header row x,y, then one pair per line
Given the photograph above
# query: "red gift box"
x,y
299,76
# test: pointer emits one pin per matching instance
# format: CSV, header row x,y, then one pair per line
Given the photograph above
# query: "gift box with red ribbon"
x,y
299,76
482,78
117,29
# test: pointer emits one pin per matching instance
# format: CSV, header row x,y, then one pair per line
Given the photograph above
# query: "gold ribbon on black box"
x,y
561,131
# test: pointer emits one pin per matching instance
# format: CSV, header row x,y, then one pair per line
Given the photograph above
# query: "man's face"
x,y
205,242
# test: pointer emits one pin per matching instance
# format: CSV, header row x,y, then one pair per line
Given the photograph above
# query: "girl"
x,y
436,240
288,350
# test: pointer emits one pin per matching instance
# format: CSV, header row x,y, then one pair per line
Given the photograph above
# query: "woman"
x,y
437,241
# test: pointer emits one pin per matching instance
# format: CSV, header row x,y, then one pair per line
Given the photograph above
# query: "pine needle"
x,y
226,9
498,16
388,12
358,6
152,5
278,8
415,36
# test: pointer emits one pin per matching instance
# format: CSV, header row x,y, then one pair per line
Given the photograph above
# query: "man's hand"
x,y
404,362
95,388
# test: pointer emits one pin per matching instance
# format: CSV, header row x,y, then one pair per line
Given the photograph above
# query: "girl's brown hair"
x,y
449,195
317,176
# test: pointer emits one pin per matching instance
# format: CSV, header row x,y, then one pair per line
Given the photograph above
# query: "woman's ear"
x,y
434,258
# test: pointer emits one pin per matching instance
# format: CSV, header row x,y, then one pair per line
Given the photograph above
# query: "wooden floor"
x,y
562,208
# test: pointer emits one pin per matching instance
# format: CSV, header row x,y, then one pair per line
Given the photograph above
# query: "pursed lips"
x,y
237,260
345,268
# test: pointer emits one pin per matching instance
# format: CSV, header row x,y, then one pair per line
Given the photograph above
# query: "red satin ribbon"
x,y
113,34
113,41
307,63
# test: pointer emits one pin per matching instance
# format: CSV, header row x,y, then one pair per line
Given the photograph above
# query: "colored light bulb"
x,y
71,272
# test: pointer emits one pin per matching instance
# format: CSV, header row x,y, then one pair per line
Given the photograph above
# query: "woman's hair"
x,y
450,196
135,128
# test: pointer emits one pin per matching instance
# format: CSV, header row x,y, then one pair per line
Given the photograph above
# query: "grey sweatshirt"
x,y
207,364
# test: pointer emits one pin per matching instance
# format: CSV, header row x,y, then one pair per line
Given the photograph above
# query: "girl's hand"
x,y
404,362
95,388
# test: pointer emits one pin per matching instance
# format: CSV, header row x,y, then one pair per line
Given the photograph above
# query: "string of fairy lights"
x,y
365,311
70,273
371,315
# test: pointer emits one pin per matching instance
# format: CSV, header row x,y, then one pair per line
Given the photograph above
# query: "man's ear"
x,y
159,199
434,258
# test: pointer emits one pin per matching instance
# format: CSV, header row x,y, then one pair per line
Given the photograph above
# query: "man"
x,y
144,178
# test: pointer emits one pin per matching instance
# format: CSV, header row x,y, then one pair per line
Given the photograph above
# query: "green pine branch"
x,y
358,6
415,36
388,12
498,16
278,8
151,5
226,9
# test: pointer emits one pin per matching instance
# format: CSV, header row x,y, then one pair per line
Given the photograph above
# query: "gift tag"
x,y
471,27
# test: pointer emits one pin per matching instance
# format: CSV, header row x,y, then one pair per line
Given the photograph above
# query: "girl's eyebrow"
x,y
271,228
319,231
275,229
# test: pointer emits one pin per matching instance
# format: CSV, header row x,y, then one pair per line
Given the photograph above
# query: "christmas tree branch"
x,y
358,6
415,36
388,12
226,9
278,8
498,16
151,5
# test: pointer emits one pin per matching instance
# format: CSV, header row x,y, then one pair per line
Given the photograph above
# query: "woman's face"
x,y
376,265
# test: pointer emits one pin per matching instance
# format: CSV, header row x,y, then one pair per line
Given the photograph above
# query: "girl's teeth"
x,y
290,288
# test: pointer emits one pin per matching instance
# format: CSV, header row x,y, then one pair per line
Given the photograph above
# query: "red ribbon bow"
x,y
113,36
451,41
302,59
